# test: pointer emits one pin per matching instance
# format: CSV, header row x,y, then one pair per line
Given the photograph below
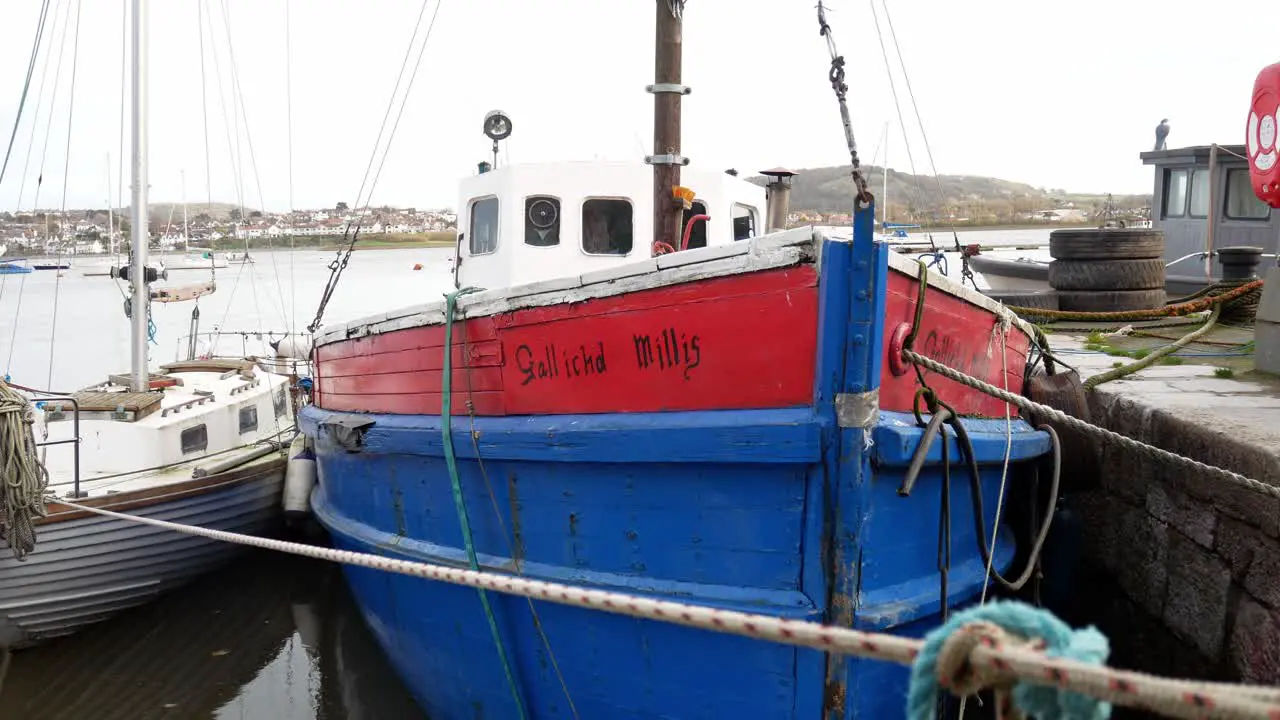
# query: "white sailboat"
x,y
200,441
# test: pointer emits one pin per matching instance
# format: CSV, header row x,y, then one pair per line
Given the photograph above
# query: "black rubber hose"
x,y
980,527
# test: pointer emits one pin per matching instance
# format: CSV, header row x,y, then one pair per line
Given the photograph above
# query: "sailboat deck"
x,y
140,404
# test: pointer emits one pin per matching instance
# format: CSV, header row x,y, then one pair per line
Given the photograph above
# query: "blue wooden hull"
x,y
790,512
728,515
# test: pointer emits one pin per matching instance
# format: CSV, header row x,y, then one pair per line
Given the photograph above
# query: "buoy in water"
x,y
417,266
299,479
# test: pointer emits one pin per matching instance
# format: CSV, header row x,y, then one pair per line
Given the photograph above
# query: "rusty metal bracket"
x,y
668,159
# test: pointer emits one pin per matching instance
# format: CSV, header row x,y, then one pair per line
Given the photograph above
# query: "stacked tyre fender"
x,y
1107,269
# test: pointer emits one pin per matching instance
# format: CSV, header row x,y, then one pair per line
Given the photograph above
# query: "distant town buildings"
x,y
96,231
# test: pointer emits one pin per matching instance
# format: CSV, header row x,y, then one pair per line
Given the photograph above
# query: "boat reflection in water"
x,y
272,637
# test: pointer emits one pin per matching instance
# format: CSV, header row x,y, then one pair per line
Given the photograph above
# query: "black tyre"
x,y
1106,244
1110,300
1106,274
1042,300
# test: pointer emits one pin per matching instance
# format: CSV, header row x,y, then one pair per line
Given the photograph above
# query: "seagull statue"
x,y
1162,133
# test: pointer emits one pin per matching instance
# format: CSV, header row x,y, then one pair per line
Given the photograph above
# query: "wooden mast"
x,y
667,93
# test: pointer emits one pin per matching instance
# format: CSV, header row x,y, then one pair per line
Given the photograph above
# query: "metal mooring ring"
x,y
897,365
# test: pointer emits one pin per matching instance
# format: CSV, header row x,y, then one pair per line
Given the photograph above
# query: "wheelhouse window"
x,y
606,226
541,221
195,439
484,226
698,236
1241,202
1199,194
744,222
1175,193
248,419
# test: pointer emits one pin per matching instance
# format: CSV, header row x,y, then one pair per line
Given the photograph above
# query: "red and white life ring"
x,y
1260,136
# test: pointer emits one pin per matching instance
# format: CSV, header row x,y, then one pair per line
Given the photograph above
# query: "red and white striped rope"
x,y
1170,697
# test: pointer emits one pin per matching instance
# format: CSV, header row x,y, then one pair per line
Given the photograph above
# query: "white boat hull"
x,y
1008,275
87,568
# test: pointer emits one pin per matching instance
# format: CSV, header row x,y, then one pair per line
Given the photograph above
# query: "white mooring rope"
x,y
999,662
1150,451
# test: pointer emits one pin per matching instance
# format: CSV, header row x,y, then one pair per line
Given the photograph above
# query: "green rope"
x,y
1149,360
446,429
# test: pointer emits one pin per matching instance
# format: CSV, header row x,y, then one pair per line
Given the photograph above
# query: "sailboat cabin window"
x,y
484,226
606,226
1242,202
195,439
248,419
1175,193
698,234
1199,194
744,222
542,221
280,400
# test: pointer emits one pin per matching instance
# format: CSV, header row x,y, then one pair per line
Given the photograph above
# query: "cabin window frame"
x,y
1165,210
472,204
194,439
250,413
753,213
582,239
1228,195
1192,177
524,220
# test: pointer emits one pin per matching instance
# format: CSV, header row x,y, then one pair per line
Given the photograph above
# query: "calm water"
x,y
270,637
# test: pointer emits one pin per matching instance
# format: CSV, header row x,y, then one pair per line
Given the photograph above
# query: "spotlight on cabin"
x,y
497,126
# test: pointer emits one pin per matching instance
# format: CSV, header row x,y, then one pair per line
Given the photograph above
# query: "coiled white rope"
x,y
23,476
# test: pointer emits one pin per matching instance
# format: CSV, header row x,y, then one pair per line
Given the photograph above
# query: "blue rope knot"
x,y
936,259
946,649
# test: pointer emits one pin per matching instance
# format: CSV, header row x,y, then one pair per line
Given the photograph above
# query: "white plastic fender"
x,y
299,479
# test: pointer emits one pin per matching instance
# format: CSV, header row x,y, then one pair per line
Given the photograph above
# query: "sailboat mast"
x,y
111,218
667,93
884,193
186,239
139,235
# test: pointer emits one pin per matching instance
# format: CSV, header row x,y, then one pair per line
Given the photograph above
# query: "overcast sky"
x,y
1060,95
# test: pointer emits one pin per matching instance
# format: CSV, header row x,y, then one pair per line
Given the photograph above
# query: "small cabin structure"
x,y
523,224
1189,200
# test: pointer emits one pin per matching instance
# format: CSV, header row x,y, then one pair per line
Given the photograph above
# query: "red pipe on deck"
x,y
688,229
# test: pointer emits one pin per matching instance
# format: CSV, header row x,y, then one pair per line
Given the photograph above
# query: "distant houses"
x,y
43,232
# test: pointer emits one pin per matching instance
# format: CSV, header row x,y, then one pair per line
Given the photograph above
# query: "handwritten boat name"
x,y
947,350
665,351
548,362
670,350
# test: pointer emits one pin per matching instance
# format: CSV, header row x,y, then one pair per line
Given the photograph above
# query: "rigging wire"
x,y
243,118
204,109
53,102
22,284
26,84
288,95
906,77
893,88
66,172
343,257
35,121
